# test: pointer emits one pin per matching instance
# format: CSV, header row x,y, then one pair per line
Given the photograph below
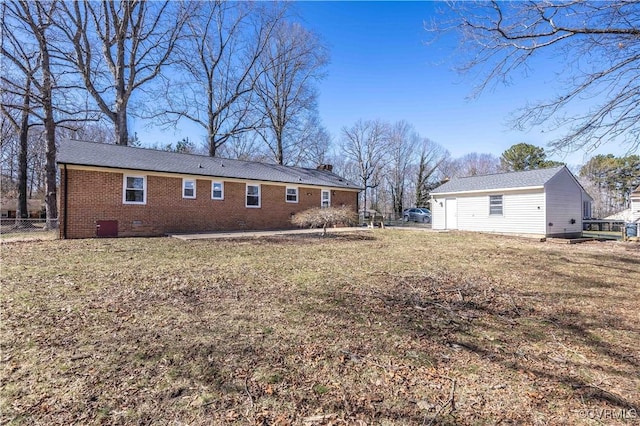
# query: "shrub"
x,y
323,217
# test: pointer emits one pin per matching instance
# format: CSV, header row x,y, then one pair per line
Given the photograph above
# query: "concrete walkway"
x,y
257,234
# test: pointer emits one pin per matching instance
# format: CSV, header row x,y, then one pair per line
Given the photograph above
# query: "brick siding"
x,y
96,195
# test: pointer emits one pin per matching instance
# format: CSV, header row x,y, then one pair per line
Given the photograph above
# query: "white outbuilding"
x,y
545,202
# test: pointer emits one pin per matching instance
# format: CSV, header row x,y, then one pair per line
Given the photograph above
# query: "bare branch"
x,y
599,48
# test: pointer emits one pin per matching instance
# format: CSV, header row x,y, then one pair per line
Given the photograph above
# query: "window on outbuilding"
x,y
291,194
188,188
217,191
134,190
253,196
495,205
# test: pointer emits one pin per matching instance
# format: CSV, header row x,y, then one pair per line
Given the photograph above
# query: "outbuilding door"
x,y
450,213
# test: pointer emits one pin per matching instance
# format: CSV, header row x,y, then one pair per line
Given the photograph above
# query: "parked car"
x,y
417,215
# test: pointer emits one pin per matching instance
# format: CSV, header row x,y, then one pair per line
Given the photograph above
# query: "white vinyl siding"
x,y
437,212
635,205
523,212
553,210
563,205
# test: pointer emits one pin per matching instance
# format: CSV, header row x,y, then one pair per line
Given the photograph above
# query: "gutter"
x,y
491,190
304,183
65,203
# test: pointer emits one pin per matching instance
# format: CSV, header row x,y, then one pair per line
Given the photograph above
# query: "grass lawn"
x,y
371,327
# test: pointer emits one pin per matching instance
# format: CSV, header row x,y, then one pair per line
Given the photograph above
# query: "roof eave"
x,y
211,176
480,191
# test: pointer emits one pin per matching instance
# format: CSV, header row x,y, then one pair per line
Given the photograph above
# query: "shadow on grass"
x,y
459,314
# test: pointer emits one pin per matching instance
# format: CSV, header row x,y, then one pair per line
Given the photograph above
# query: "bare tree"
x,y
285,91
245,146
16,116
34,19
119,47
472,164
312,144
219,64
9,146
431,157
501,38
403,140
365,144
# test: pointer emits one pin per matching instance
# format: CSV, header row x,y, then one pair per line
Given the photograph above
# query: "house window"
x,y
217,191
325,198
135,190
188,188
253,196
495,205
292,195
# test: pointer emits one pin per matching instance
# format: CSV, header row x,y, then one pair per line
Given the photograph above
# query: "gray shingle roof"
x,y
123,157
525,179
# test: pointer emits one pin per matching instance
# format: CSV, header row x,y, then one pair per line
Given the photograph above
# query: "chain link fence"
x,y
388,218
21,225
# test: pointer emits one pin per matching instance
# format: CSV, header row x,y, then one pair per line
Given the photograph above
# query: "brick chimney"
x,y
326,167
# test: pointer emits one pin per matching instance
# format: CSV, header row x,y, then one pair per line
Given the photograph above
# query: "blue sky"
x,y
383,68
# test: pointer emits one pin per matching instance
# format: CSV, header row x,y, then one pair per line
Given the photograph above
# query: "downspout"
x,y
65,203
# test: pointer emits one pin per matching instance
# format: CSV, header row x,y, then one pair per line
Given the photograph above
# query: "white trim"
x,y
501,205
184,187
246,193
213,182
286,194
125,188
480,191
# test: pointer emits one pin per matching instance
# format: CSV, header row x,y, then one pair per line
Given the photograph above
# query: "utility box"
x,y
106,228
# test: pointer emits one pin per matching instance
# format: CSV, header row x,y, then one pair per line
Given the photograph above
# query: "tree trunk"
x,y
51,197
122,132
280,149
22,208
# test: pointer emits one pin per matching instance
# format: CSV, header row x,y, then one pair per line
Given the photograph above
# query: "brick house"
x,y
111,190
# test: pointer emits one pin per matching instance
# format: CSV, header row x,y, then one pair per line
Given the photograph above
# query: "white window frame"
x,y
322,199
246,193
125,189
184,188
213,184
495,197
286,194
